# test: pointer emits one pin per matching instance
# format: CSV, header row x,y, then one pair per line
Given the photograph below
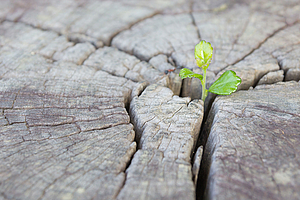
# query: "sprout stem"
x,y
204,92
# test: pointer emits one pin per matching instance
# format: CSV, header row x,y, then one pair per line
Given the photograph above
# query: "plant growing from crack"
x,y
226,84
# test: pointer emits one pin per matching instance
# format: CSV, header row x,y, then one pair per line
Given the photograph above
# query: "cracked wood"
x,y
253,145
167,129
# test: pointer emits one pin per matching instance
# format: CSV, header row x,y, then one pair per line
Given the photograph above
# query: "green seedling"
x,y
226,84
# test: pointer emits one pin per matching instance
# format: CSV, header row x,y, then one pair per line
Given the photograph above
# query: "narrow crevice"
x,y
127,166
281,68
127,108
135,140
257,81
203,175
181,89
85,58
203,135
92,41
205,161
34,27
124,181
3,114
284,76
171,61
13,123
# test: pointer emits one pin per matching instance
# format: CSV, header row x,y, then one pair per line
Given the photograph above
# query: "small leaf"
x,y
203,54
186,73
226,84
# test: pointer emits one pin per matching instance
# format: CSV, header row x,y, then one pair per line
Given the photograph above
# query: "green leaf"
x,y
186,73
203,54
226,84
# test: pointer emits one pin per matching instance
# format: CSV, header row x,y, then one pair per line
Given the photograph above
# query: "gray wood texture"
x,y
76,54
71,70
253,144
233,36
152,176
167,129
272,77
83,18
64,129
278,52
168,123
118,63
293,74
172,35
61,138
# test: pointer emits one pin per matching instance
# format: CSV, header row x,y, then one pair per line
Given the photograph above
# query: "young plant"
x,y
226,84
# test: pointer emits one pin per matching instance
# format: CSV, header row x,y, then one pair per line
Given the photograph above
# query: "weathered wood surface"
x,y
64,129
21,36
172,35
272,77
118,63
233,37
236,30
166,65
152,176
58,116
279,52
161,63
83,18
62,137
168,123
293,74
52,46
253,146
265,65
76,54
167,129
